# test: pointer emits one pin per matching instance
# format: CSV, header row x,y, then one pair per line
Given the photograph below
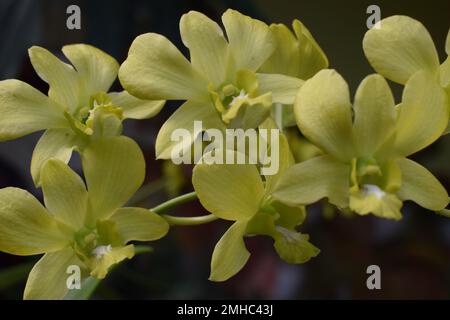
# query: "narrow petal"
x,y
114,168
25,110
230,191
400,47
207,45
156,70
48,280
375,114
251,42
423,114
294,247
230,254
135,108
312,58
312,180
420,186
53,144
284,89
139,224
26,228
65,85
65,194
285,160
447,43
183,119
96,69
323,113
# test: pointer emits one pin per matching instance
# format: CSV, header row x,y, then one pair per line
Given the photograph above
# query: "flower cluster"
x,y
233,80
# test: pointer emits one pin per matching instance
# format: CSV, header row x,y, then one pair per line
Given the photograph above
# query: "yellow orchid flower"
x,y
77,106
237,193
83,228
401,46
365,166
220,82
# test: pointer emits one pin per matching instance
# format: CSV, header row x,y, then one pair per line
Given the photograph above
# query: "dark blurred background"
x,y
413,254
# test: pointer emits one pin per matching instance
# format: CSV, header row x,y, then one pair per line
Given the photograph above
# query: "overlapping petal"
x,y
399,46
96,70
139,224
26,228
250,40
65,86
53,144
183,118
25,110
420,186
422,115
323,113
48,278
230,254
135,108
207,45
374,114
156,70
230,191
114,168
314,179
284,89
65,194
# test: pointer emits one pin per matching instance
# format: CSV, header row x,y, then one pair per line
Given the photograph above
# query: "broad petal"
x,y
96,69
207,45
286,58
323,113
114,168
375,114
284,89
64,193
135,108
251,42
420,186
139,224
25,110
183,119
312,180
312,58
156,70
398,47
230,254
65,85
53,144
26,228
229,191
48,280
294,247
423,114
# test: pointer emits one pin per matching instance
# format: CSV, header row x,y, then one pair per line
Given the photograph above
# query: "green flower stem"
x,y
182,221
175,202
189,221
